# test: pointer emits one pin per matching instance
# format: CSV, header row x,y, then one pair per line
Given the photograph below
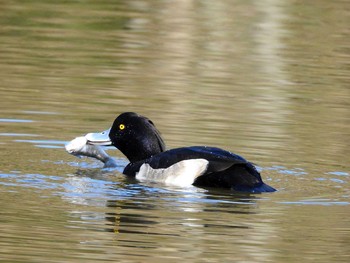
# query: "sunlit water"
x,y
267,79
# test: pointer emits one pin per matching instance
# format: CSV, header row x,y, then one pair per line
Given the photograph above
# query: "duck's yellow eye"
x,y
121,127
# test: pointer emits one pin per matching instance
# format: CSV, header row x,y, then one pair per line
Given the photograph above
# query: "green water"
x,y
268,80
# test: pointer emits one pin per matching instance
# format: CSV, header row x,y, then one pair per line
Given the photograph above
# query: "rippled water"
x,y
267,79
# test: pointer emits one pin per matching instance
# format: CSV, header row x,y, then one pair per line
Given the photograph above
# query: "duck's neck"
x,y
139,150
137,155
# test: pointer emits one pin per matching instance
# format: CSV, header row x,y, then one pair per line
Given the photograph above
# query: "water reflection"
x,y
197,218
99,183
15,120
147,214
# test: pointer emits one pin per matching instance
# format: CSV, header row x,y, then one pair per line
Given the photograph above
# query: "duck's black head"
x,y
134,135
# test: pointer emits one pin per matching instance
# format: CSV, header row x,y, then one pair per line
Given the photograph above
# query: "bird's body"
x,y
139,140
222,168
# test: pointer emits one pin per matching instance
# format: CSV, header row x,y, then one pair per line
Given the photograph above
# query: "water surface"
x,y
268,80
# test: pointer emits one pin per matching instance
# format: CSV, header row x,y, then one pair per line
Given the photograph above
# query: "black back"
x,y
225,169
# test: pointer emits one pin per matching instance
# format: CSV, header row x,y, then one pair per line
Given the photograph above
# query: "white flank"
x,y
183,173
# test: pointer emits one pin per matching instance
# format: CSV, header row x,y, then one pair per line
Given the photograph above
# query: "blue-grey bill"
x,y
99,138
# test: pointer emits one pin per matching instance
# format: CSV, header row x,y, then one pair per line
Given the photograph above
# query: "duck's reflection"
x,y
152,215
135,205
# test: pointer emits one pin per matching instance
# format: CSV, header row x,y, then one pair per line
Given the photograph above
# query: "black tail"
x,y
239,177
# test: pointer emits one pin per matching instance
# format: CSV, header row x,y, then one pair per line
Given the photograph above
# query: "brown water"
x,y
265,79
